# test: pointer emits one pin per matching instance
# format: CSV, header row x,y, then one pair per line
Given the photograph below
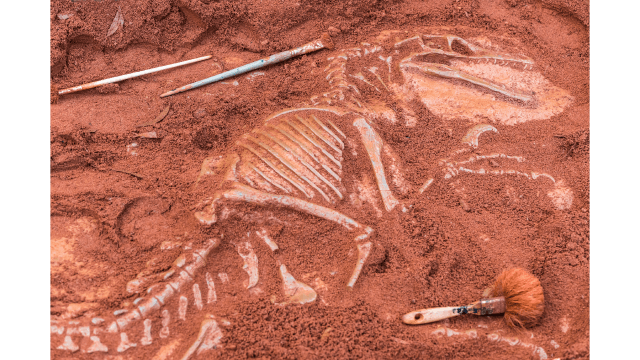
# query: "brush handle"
x,y
426,316
483,307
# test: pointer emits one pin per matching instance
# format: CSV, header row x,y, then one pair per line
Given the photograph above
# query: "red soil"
x,y
111,210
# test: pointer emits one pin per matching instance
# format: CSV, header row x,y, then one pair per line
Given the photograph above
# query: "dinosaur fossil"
x,y
297,158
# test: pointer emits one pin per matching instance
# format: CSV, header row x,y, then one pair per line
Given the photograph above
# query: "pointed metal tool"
x,y
323,42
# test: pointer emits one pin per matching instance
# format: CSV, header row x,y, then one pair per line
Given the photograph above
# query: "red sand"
x,y
111,210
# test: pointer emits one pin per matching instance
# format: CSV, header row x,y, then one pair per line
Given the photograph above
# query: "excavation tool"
x,y
91,85
516,293
323,42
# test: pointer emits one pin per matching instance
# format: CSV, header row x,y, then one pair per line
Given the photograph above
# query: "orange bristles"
x,y
523,294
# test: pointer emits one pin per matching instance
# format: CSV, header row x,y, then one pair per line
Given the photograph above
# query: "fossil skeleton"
x,y
295,160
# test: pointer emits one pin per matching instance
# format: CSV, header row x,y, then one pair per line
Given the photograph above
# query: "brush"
x,y
516,293
91,85
323,42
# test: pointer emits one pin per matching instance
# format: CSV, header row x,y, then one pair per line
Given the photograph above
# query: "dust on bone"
x,y
494,337
206,342
296,153
152,302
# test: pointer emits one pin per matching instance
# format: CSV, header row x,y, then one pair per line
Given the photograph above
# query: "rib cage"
x,y
298,154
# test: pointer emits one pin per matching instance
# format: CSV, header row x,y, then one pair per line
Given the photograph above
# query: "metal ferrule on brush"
x,y
497,305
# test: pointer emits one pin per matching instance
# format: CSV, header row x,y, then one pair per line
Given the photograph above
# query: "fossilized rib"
x,y
302,151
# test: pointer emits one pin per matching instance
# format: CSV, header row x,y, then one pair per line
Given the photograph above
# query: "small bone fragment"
x,y
146,339
125,320
250,263
211,295
561,196
182,308
68,344
263,235
197,297
223,277
113,328
96,346
295,291
73,331
57,329
124,343
148,135
166,319
425,185
118,21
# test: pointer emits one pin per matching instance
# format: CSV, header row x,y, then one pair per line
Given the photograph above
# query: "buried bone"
x,y
296,291
250,263
295,161
209,338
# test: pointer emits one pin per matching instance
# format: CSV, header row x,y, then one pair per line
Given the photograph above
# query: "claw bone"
x,y
296,292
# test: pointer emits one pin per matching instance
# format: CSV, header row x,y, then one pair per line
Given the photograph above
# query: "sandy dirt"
x,y
122,205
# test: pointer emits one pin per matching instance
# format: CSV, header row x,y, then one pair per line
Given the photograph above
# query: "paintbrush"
x,y
323,42
516,293
91,85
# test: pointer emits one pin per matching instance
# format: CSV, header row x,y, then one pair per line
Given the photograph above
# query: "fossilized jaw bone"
x,y
486,70
428,62
492,75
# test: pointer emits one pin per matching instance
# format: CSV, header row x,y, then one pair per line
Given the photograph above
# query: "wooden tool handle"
x,y
483,307
426,316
